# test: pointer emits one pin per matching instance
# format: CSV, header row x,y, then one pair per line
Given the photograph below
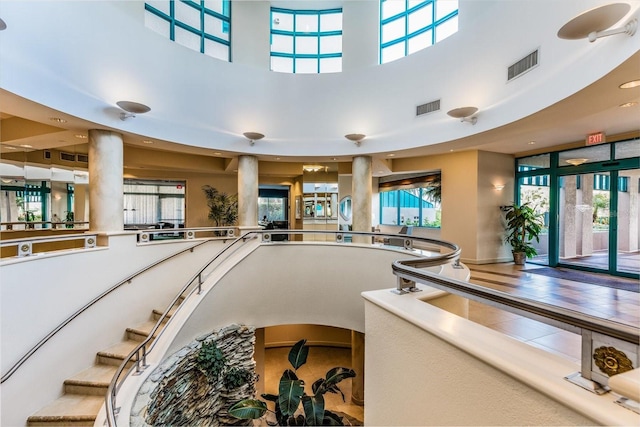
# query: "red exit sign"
x,y
596,138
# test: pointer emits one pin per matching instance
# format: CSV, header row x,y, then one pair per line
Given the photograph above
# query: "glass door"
x,y
627,220
584,220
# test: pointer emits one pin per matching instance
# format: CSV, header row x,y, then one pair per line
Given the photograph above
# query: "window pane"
x,y
534,162
305,65
445,7
627,149
188,15
330,65
331,22
281,44
421,18
282,21
157,24
188,39
307,45
419,42
391,8
282,65
392,52
447,28
307,23
216,6
216,50
393,30
161,5
331,44
584,155
216,27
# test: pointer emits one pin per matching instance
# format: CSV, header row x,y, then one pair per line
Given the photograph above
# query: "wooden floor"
x,y
604,302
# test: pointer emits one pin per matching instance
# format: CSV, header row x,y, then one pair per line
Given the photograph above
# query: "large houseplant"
x,y
524,225
291,393
223,208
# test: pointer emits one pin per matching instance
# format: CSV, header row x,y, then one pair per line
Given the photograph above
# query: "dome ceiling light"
x,y
465,114
576,162
3,25
253,137
131,109
593,23
356,138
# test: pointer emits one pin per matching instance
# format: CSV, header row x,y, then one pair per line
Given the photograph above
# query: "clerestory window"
x,y
407,26
306,41
203,25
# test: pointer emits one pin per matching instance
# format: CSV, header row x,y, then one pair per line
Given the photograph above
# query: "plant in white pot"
x,y
524,225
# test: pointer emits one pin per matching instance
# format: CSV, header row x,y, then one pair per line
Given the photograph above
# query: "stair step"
x,y
158,313
68,410
140,332
115,354
94,381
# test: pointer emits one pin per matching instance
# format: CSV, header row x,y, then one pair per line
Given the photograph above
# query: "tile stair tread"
x,y
143,328
98,374
159,313
72,407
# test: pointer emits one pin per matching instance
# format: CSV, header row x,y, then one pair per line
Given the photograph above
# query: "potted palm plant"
x,y
524,225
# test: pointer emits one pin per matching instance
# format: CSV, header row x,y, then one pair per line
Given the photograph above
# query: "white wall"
x,y
40,292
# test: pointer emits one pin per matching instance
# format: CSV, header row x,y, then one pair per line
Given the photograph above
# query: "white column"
x,y
106,198
247,191
361,195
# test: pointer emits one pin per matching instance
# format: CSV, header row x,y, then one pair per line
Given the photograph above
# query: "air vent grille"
x,y
523,65
67,157
82,158
429,107
47,154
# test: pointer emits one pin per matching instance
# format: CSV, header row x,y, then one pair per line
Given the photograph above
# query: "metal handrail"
x,y
570,320
140,352
57,329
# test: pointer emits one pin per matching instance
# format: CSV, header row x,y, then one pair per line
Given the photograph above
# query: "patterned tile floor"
x,y
617,305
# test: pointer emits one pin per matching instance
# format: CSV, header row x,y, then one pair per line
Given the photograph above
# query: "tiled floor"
x,y
617,305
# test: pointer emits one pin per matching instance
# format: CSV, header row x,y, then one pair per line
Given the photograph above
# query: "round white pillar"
x,y
361,192
106,188
247,191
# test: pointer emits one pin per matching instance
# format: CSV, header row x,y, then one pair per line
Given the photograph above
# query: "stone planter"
x,y
519,258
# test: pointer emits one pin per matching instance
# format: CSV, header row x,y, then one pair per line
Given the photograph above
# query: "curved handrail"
x,y
140,352
57,329
571,320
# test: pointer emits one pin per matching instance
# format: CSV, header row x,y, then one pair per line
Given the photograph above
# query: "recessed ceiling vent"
x,y
429,107
523,65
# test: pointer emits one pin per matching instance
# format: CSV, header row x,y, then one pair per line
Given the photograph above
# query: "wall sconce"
x,y
253,137
464,114
576,162
498,187
593,23
312,168
131,109
356,138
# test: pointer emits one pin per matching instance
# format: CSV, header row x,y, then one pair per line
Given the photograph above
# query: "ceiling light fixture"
x,y
465,114
312,168
628,104
131,109
26,146
147,141
629,85
593,23
576,162
3,25
253,137
57,119
356,138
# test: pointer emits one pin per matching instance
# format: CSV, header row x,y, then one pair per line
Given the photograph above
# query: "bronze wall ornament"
x,y
612,361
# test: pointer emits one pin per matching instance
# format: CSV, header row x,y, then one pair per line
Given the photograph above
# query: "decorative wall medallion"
x,y
90,241
612,361
24,248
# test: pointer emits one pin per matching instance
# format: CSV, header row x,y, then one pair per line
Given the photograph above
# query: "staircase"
x,y
85,392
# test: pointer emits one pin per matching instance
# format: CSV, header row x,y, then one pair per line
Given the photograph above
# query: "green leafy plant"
x,y
236,377
211,360
291,394
524,225
223,208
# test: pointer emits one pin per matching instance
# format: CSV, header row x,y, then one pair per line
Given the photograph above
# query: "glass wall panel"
x,y
627,149
534,191
628,222
598,153
534,162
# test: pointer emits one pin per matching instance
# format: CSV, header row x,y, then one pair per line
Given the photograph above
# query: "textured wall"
x,y
179,392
